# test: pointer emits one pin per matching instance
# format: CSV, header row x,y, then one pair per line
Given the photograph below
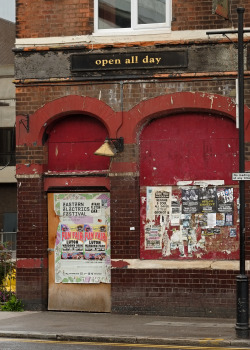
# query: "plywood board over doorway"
x,y
81,284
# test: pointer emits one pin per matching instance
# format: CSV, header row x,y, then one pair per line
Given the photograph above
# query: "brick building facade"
x,y
8,206
169,91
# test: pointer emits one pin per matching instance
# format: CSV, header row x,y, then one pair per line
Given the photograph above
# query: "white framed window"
x,y
126,16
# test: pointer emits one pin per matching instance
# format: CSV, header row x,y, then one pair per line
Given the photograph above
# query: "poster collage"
x,y
82,248
191,221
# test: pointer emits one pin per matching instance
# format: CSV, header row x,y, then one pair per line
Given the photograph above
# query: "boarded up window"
x,y
189,203
72,143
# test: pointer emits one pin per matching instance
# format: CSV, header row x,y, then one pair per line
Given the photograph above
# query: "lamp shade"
x,y
106,149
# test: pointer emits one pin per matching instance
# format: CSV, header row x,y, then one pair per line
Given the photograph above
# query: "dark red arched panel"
x,y
72,143
190,146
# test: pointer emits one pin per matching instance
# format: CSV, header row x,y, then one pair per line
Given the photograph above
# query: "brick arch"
x,y
128,123
52,111
178,102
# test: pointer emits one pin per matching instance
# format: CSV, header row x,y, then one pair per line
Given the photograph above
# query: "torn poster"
x,y
207,199
153,237
175,212
189,222
158,203
190,201
225,200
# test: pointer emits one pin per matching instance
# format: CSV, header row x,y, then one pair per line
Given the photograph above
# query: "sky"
x,y
7,10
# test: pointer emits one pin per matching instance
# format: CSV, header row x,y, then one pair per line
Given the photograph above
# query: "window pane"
x,y
7,146
151,11
114,14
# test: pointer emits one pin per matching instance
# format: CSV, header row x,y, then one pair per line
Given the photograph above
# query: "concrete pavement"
x,y
79,326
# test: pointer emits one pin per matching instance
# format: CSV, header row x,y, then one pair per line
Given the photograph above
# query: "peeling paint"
x,y
28,176
181,264
32,263
204,183
201,183
184,183
120,264
138,109
189,223
212,97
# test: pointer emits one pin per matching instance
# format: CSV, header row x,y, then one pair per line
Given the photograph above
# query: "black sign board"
x,y
128,61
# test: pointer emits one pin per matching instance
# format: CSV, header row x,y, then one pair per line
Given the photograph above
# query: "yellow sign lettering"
x,y
104,63
148,59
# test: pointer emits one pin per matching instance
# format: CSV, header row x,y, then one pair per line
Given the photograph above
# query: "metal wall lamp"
x,y
111,147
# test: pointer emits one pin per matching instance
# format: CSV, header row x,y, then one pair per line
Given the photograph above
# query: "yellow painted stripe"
x,y
155,346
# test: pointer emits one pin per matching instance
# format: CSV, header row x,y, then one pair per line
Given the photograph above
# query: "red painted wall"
x,y
72,143
189,147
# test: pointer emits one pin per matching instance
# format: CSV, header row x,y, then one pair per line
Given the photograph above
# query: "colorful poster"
x,y
72,242
82,249
153,237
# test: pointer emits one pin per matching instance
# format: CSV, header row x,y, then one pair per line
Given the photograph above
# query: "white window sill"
x,y
124,32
